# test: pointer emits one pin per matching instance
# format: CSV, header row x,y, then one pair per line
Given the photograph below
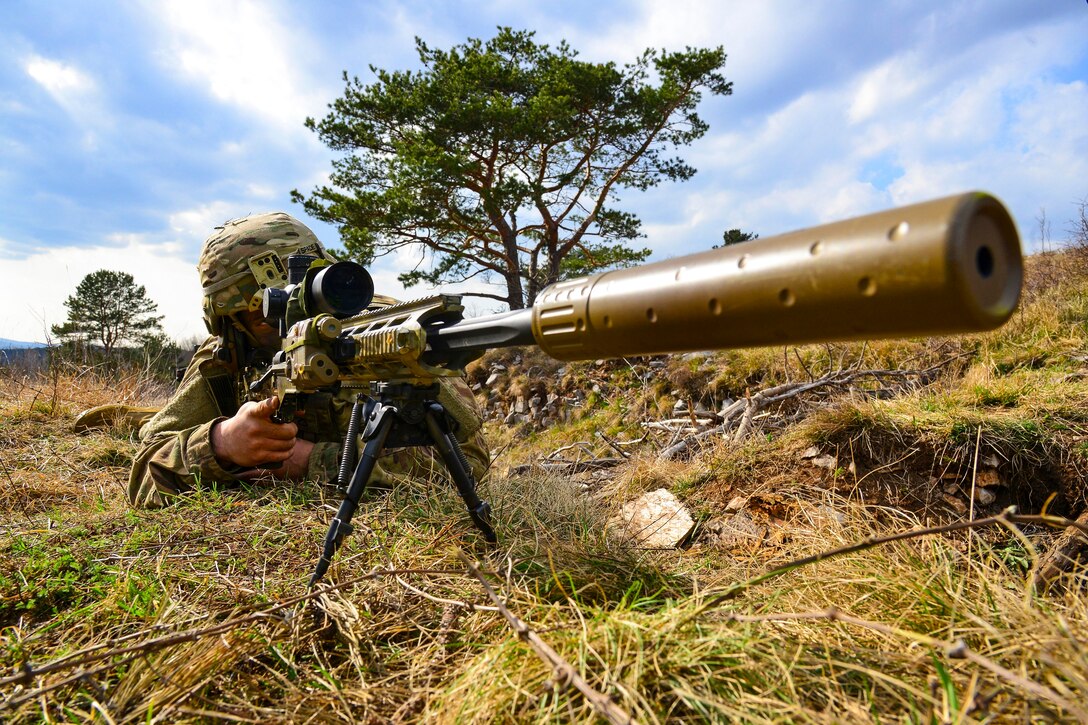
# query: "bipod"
x,y
398,415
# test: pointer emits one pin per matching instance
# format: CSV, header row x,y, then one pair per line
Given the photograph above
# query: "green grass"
x,y
199,612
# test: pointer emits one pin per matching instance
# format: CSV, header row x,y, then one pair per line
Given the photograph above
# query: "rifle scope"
x,y
341,289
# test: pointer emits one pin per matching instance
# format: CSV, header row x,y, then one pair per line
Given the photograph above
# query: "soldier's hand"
x,y
251,438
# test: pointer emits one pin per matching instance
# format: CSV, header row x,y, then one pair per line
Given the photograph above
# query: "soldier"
x,y
209,433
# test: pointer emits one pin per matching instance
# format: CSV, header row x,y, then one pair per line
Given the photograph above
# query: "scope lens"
x,y
342,289
274,304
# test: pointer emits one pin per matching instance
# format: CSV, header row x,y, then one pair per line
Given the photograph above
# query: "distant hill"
x,y
6,344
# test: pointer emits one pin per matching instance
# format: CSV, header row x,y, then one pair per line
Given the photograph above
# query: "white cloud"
x,y
74,90
196,224
245,56
36,286
68,85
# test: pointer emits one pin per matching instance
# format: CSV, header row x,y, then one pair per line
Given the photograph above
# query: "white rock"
x,y
657,520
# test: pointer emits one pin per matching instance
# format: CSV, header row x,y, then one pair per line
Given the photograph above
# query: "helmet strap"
x,y
232,344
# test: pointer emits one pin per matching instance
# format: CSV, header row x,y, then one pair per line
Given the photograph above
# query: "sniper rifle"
x,y
947,266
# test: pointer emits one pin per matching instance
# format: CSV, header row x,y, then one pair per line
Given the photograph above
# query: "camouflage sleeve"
x,y
176,452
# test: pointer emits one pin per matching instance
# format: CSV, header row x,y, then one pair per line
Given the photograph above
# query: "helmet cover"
x,y
246,255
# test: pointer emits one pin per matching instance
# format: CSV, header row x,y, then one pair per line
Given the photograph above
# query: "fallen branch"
x,y
564,671
745,411
114,653
952,650
1005,518
568,467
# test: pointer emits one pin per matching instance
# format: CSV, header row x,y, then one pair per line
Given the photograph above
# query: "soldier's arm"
x,y
176,454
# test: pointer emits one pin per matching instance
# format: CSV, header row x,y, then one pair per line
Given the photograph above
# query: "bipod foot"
x,y
481,516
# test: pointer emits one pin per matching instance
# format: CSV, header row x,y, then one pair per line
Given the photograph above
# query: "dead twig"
x,y
1005,518
952,650
564,671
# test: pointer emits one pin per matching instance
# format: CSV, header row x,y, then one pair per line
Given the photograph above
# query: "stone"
x,y
828,462
985,496
739,531
492,379
955,504
735,504
988,477
656,520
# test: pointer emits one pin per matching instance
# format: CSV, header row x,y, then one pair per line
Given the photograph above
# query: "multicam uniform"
x,y
176,453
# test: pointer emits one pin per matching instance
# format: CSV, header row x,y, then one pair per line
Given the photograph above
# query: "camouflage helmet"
x,y
246,255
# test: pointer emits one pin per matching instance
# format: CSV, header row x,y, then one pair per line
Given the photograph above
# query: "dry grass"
x,y
199,613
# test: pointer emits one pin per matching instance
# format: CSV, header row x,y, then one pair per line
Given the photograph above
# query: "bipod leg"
x,y
377,431
457,465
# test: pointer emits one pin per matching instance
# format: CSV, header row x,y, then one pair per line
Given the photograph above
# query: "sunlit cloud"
x,y
37,285
245,54
67,84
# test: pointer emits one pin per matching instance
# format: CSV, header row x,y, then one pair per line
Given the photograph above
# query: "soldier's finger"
x,y
277,446
275,456
268,406
279,431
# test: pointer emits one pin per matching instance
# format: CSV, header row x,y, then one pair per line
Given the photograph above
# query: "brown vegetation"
x,y
808,593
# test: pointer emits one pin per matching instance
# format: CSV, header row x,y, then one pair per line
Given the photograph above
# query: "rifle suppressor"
x,y
947,266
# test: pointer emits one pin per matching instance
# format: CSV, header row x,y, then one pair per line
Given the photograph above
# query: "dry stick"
x,y
563,670
957,650
612,444
1005,518
952,650
99,652
974,481
448,602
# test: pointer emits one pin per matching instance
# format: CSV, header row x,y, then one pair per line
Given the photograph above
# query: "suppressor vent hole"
x,y
651,315
607,321
715,306
742,262
867,286
816,248
786,298
580,325
898,232
984,261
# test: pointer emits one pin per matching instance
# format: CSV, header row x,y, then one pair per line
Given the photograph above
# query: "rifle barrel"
x,y
947,266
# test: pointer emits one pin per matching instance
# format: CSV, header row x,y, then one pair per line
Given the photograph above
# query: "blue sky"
x,y
129,129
